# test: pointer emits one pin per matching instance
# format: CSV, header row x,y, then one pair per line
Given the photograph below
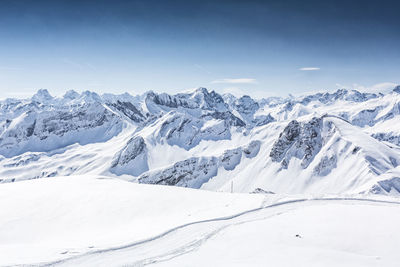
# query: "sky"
x,y
260,48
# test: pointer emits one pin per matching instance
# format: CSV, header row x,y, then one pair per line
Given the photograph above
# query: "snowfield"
x,y
324,233
100,221
48,219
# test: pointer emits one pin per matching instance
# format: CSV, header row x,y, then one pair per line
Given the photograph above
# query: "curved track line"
x,y
225,218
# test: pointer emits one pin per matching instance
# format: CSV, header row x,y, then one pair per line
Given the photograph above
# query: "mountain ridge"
x,y
131,137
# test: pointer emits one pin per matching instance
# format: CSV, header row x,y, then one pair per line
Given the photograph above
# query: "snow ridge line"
x,y
335,116
100,251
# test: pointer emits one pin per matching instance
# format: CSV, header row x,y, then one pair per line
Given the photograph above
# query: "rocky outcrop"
x,y
246,105
388,186
300,140
192,173
340,94
186,131
45,130
326,165
129,110
251,150
263,120
132,159
196,171
285,141
201,98
231,158
387,137
22,160
365,117
227,116
261,191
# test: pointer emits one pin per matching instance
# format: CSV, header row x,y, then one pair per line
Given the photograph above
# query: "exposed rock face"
x,y
251,150
246,105
199,99
71,95
247,108
263,120
326,165
22,160
300,140
42,96
340,94
231,158
167,100
194,172
129,110
132,159
210,100
227,116
188,118
261,191
387,186
186,132
286,139
133,148
47,130
310,141
365,117
387,137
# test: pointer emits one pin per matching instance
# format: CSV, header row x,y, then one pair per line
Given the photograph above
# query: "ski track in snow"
x,y
187,237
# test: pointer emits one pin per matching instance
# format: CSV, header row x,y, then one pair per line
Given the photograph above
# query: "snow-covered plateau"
x,y
200,179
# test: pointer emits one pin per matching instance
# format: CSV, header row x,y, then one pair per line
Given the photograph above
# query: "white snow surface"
x,y
311,234
50,219
102,221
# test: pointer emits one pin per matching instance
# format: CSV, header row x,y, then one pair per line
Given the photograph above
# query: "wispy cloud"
x,y
309,68
236,81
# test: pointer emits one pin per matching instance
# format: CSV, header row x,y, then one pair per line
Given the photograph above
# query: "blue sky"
x,y
245,47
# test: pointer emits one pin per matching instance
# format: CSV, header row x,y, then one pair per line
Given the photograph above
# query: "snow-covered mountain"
x,y
343,142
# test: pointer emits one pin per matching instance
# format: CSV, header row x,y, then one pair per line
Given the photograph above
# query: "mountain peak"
x,y
89,96
246,105
201,90
71,94
397,89
42,95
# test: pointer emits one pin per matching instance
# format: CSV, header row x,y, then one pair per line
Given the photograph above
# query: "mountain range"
x,y
345,142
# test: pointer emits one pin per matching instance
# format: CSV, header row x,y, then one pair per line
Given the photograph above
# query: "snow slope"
x,y
102,221
50,219
301,232
312,234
